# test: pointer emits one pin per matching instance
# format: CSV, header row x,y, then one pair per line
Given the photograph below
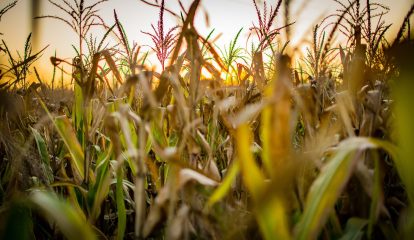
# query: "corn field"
x,y
217,143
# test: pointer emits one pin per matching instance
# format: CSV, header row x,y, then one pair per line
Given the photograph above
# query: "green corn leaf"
x,y
17,221
120,204
100,189
69,138
44,155
353,229
324,193
376,196
78,109
41,146
328,186
404,121
71,222
67,133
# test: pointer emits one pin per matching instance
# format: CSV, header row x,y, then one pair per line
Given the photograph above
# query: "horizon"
x,y
137,17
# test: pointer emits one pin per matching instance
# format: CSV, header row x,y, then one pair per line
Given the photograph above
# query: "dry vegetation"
x,y
268,147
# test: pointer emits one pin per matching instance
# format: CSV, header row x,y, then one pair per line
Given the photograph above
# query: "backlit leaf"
x,y
69,221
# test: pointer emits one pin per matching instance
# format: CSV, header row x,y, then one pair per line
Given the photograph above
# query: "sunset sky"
x,y
226,16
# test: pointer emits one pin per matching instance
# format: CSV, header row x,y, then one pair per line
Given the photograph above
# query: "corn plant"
x,y
163,42
81,17
177,155
17,69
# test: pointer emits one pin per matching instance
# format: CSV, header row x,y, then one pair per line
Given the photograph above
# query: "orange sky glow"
x,y
227,17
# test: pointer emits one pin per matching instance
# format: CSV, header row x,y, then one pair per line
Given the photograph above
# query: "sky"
x,y
225,16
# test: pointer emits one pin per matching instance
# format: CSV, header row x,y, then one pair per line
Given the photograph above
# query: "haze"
x,y
226,17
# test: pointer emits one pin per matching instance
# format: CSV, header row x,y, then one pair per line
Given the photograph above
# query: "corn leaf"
x,y
225,185
405,164
353,229
69,138
120,204
78,109
100,189
44,155
271,213
326,189
252,176
272,219
72,224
